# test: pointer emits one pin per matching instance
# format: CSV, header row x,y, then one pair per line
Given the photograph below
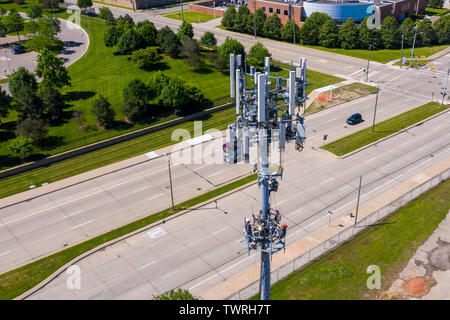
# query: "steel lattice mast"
x,y
266,119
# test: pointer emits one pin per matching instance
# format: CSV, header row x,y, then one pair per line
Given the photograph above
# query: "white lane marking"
x,y
201,282
329,179
146,265
404,143
343,187
75,213
309,225
169,274
371,159
232,266
215,174
84,223
296,211
218,231
158,195
199,139
385,166
156,233
4,253
140,189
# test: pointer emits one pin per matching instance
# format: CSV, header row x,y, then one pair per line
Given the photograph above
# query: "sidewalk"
x,y
243,285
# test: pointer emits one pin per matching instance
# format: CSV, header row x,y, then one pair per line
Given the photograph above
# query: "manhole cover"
x,y
198,189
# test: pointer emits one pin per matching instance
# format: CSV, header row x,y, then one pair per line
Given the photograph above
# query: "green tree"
x,y
28,104
130,41
179,294
112,36
157,82
49,26
22,78
5,104
174,95
231,46
148,32
390,33
229,17
133,109
426,34
169,42
190,47
51,69
257,53
186,31
22,147
138,89
272,27
348,35
52,100
310,30
442,28
13,22
208,39
438,4
103,112
329,35
240,23
34,129
195,61
261,18
105,13
146,58
83,4
34,10
408,36
219,62
287,31
3,29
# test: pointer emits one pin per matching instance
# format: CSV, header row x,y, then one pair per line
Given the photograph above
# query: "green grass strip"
x,y
341,274
366,136
191,17
15,282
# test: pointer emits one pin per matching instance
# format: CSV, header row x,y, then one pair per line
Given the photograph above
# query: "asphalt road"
x,y
203,247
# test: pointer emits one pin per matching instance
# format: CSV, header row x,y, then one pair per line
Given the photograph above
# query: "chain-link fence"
x,y
341,237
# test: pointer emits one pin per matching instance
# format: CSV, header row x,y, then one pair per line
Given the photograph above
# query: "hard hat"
x,y
247,220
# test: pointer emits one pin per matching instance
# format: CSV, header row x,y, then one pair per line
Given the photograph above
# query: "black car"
x,y
354,119
18,49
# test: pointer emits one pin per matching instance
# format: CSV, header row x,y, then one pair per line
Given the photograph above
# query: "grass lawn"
x,y
15,282
414,64
366,136
192,17
341,274
435,11
384,55
342,94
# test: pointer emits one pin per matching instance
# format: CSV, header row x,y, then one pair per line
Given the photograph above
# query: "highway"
x,y
203,247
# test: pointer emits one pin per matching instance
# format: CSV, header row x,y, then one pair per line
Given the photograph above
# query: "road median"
x,y
363,139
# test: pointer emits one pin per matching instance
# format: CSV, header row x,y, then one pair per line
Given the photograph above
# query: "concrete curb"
x,y
55,274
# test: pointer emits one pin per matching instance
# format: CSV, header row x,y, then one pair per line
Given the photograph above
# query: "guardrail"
x,y
329,244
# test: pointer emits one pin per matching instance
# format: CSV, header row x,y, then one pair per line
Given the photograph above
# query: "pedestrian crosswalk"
x,y
156,232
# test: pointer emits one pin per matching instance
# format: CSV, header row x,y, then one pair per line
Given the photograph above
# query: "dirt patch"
x,y
417,287
440,257
340,95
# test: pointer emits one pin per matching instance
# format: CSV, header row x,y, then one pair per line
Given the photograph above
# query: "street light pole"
x,y
368,60
412,50
357,203
444,90
170,180
401,52
375,110
254,17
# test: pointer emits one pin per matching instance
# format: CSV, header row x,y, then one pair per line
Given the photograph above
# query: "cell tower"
x,y
266,121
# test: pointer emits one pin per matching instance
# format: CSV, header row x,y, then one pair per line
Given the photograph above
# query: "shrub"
x,y
34,129
130,41
146,58
134,109
257,54
21,147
